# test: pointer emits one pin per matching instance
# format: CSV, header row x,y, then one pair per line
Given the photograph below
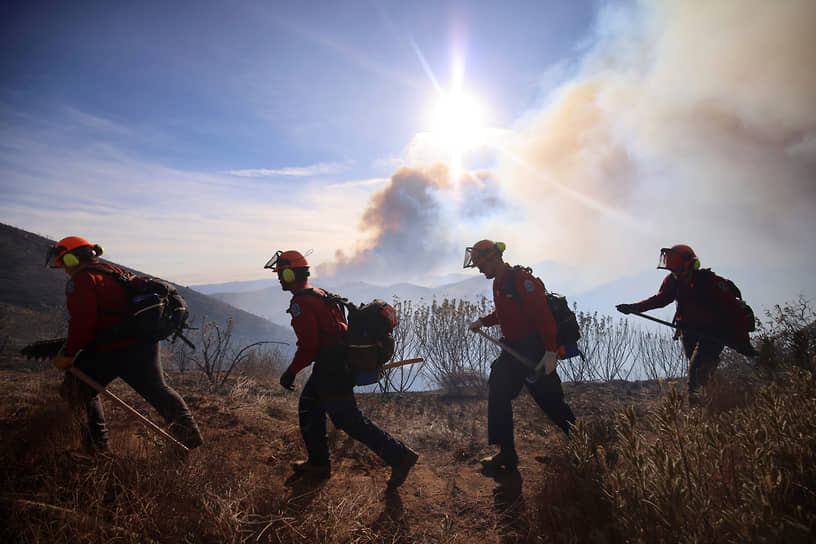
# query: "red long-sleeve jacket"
x,y
705,304
521,315
95,302
317,325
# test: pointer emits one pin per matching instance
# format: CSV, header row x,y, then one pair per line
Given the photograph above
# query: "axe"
x,y
537,369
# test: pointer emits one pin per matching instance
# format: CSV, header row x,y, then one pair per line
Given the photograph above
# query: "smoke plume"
x,y
688,122
409,227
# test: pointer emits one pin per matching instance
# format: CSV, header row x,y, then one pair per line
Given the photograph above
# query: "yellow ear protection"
x,y
288,275
500,247
695,262
70,260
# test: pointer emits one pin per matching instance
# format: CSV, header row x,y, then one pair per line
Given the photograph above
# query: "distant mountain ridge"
x,y
28,289
761,287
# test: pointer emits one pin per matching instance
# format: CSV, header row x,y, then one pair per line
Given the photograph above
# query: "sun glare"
x,y
458,121
457,125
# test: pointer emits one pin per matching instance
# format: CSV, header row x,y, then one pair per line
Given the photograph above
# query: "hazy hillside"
x,y
32,297
271,303
762,287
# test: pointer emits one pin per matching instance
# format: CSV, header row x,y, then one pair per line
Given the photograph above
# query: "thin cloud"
x,y
185,226
357,183
321,169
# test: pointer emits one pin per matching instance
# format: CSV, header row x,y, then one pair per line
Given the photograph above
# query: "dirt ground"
x,y
251,438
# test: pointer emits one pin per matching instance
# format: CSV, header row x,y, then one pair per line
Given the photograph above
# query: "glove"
x,y
287,380
476,325
625,308
548,363
62,360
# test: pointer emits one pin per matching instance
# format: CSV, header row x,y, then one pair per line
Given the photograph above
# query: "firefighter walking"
x,y
528,327
97,303
708,315
321,327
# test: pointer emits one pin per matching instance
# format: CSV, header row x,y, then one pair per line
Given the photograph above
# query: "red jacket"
x,y
95,302
316,324
525,315
706,304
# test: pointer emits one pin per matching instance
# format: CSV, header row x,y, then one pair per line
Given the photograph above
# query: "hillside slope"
x,y
32,297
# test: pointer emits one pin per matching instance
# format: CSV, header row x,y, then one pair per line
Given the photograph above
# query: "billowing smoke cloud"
x,y
688,122
409,227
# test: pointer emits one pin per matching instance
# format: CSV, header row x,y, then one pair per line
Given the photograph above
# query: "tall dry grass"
x,y
740,475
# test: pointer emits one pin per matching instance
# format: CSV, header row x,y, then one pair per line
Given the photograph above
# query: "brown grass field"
x,y
239,486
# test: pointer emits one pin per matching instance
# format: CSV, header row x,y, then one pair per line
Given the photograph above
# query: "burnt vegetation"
x,y
639,466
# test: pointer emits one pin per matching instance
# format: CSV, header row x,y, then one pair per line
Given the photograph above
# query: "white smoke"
x,y
689,122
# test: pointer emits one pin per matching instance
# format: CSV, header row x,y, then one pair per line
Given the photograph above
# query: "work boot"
x,y
312,469
506,458
400,472
188,435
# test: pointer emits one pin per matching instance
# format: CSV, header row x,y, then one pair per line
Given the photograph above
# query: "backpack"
x,y
750,318
157,311
370,337
568,331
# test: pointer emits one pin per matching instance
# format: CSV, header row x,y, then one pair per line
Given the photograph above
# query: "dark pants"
x,y
507,375
330,390
704,356
139,366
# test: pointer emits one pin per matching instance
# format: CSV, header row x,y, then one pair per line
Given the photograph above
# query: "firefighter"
x,y
527,325
96,303
321,327
708,315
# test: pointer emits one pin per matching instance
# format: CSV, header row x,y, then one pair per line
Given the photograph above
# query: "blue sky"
x,y
194,139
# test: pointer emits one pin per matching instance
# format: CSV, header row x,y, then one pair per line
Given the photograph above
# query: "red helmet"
x,y
678,258
482,250
285,263
63,253
282,260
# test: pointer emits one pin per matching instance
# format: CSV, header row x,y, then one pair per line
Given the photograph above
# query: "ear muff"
x,y
288,275
501,246
98,250
70,260
696,264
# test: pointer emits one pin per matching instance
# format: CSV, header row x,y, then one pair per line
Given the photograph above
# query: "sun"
x,y
457,125
458,121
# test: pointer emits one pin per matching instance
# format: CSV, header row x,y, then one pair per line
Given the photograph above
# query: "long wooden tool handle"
x,y
395,364
524,360
146,422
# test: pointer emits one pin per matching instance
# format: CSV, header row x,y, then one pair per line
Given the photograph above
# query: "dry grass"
x,y
639,468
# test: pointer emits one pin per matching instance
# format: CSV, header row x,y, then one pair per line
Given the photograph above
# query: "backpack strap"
x,y
328,298
509,287
123,279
